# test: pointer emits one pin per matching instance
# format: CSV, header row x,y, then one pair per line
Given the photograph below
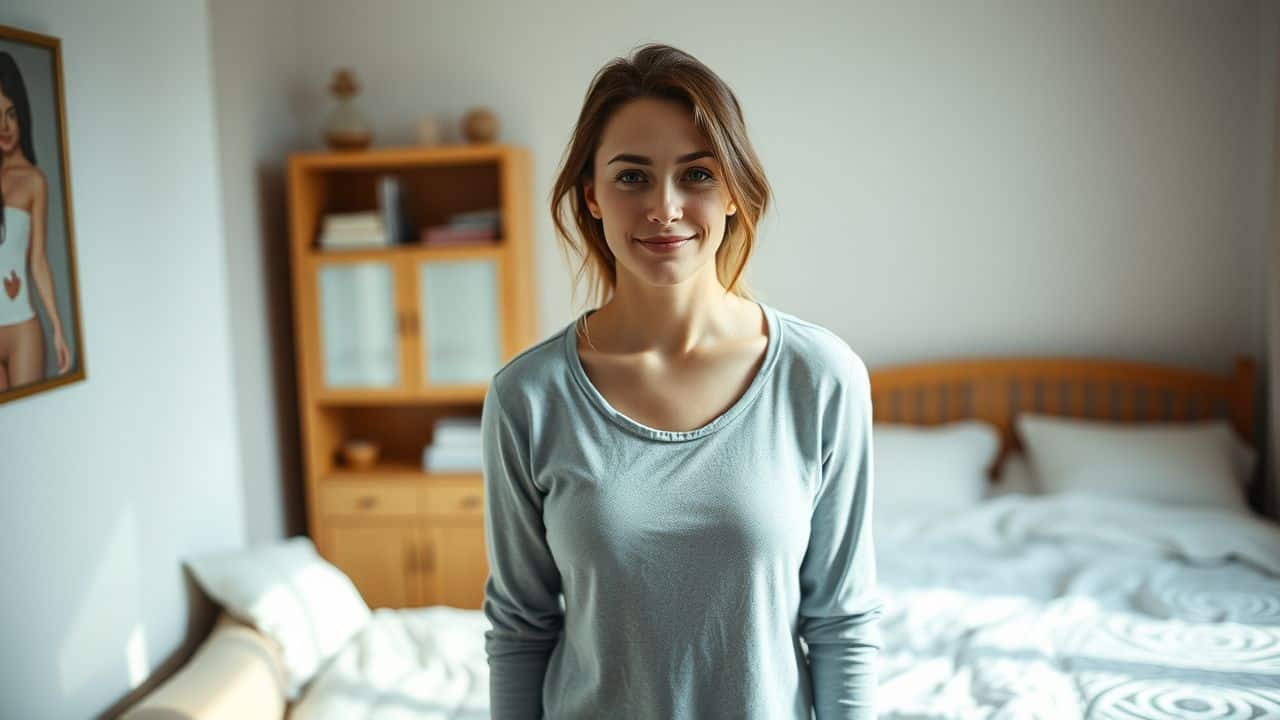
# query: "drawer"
x,y
453,500
370,499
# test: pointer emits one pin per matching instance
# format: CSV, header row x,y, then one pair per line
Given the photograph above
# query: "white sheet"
x,y
415,664
1081,606
1023,607
1197,534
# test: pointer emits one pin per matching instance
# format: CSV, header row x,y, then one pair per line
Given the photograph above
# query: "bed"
x,y
1022,605
1076,604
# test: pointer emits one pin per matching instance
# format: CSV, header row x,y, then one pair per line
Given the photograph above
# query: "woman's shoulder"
x,y
532,371
25,181
818,348
30,175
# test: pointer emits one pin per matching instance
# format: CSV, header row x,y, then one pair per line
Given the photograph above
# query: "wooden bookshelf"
x,y
386,341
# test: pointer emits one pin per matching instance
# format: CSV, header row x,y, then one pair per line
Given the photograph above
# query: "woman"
x,y
23,196
690,468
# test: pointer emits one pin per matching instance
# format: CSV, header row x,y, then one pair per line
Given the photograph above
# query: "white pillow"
x,y
931,469
1015,477
1193,463
291,595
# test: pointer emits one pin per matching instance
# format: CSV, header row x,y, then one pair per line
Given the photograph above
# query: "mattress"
x,y
1022,607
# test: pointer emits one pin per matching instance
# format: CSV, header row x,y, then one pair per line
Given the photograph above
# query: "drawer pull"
x,y
470,501
366,502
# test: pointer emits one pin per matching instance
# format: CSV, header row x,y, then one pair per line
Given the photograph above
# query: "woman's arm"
x,y
39,257
41,274
522,594
840,605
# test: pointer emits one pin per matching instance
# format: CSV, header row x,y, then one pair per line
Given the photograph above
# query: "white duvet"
x,y
416,664
1081,606
1023,607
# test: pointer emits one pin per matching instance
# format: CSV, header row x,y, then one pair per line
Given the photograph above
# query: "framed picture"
x,y
41,345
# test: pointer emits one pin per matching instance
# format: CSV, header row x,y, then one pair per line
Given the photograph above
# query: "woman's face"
x,y
8,124
654,177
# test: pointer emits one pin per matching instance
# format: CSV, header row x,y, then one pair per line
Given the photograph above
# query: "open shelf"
x,y
401,433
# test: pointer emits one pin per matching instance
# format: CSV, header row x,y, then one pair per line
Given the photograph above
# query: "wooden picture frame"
x,y
41,343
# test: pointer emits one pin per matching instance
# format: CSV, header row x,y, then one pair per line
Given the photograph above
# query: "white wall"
x,y
110,482
1075,178
254,56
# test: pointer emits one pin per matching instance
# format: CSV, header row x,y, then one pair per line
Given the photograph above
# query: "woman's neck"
x,y
671,320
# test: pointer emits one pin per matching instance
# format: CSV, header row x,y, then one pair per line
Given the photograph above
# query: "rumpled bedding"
x,y
1028,607
1080,606
413,664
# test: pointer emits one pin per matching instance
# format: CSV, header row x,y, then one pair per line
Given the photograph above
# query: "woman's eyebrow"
x,y
642,160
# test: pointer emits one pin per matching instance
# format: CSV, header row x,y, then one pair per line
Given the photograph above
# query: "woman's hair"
x,y
662,72
12,87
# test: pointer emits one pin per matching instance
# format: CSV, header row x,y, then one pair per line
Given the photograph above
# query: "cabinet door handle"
x,y
413,558
470,501
366,502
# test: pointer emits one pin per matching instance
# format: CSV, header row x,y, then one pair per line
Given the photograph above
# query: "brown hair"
x,y
661,71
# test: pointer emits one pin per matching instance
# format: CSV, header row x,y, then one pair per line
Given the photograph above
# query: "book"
x,y
476,219
437,235
390,205
352,241
456,432
352,230
436,459
353,220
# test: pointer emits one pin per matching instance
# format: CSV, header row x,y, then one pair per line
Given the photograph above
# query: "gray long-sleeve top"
x,y
646,573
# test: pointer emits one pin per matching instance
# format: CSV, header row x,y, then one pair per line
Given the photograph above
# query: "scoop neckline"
x,y
774,344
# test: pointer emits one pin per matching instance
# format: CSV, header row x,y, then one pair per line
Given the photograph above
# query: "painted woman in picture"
x,y
23,195
678,483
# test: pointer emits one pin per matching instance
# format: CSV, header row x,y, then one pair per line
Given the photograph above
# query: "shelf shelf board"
x,y
399,156
396,469
486,251
461,394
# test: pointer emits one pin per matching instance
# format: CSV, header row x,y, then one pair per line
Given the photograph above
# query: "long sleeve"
x,y
840,605
522,592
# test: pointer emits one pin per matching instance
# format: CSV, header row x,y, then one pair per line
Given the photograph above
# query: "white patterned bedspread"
x,y
1081,607
1024,607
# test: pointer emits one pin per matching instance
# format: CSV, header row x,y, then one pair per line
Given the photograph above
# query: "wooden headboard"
x,y
997,389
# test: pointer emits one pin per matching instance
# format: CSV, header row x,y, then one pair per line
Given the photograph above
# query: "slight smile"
x,y
666,240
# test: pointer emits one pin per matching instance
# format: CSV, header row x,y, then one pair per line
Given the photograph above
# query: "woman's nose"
x,y
666,207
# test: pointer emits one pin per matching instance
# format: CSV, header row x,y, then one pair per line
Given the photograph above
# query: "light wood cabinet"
x,y
389,340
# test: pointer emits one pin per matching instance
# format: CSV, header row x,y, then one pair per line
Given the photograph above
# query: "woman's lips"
x,y
665,243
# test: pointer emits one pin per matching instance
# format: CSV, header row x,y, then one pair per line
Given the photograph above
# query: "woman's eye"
x,y
698,175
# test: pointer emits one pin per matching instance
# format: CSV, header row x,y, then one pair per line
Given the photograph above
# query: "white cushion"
x,y
1194,463
931,470
1015,477
291,595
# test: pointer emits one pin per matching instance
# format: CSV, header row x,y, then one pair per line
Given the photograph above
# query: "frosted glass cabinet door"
x,y
461,324
358,325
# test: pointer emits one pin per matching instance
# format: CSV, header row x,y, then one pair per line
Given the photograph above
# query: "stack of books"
x,y
348,231
467,228
455,446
